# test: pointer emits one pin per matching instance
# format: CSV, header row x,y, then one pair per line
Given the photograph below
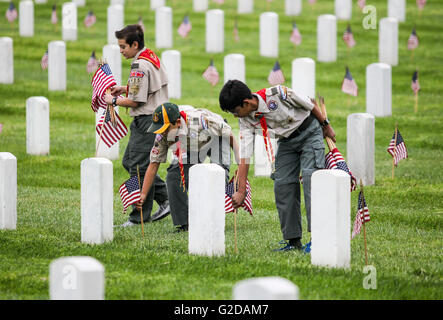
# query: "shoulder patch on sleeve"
x,y
283,91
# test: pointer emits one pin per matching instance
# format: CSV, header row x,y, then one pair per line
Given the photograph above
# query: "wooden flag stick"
x,y
364,224
101,131
141,209
416,102
235,215
395,150
331,144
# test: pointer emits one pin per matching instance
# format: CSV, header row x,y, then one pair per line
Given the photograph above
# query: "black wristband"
x,y
114,101
325,123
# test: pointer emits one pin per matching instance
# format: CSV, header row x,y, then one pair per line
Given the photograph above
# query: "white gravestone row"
x,y
269,34
388,41
172,62
8,191
163,27
360,143
57,66
265,288
121,2
379,89
234,67
69,21
115,22
37,126
262,165
245,6
200,5
6,60
215,34
303,76
155,4
397,9
343,9
327,38
293,7
26,18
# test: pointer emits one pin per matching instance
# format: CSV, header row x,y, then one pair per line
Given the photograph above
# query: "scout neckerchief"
x,y
178,153
264,127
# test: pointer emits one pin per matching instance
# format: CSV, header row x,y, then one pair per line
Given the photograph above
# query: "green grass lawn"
x,y
405,233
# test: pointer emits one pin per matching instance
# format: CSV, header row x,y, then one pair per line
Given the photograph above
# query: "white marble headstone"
x,y
6,60
163,27
115,21
379,89
37,126
265,288
343,9
69,21
388,41
200,5
269,34
262,165
234,67
172,62
57,66
155,4
327,38
303,76
215,33
293,7
397,9
245,6
26,18
8,191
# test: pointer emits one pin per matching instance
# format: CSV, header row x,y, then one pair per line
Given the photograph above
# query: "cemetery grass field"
x,y
404,236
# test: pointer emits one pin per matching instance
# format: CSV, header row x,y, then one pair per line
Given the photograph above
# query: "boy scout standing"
x,y
196,134
300,127
146,89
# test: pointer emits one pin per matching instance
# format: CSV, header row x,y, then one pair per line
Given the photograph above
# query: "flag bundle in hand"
x,y
348,37
211,74
362,216
413,40
113,127
349,86
130,192
92,64
335,160
247,204
101,81
11,13
276,76
397,148
415,86
90,19
295,35
44,61
54,19
185,27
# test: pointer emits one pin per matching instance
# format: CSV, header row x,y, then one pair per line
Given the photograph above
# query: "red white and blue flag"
x,y
185,27
92,64
295,35
397,148
247,203
415,86
335,160
44,61
101,81
11,13
54,19
413,40
362,216
90,19
211,74
421,4
361,4
349,86
130,192
348,37
111,132
276,76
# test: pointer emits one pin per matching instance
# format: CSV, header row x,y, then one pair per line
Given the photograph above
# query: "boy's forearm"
x,y
128,103
243,170
318,114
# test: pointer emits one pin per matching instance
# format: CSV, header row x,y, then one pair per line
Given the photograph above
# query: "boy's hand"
x,y
118,90
237,199
329,132
140,203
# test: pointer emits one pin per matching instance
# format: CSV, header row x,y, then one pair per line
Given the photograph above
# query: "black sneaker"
x,y
182,228
163,211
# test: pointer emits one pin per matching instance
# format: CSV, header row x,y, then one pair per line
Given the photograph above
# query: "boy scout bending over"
x,y
196,133
300,127
147,88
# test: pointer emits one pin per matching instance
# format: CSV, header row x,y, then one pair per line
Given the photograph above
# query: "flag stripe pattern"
x,y
247,204
413,40
415,86
362,216
54,19
110,134
44,61
185,27
348,37
130,192
101,81
11,12
349,86
335,160
90,19
276,76
92,64
295,35
211,74
397,150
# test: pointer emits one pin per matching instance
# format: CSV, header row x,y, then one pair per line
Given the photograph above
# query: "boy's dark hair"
x,y
131,33
232,95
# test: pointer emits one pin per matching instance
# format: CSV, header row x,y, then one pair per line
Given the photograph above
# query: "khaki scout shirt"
x,y
201,124
284,111
148,85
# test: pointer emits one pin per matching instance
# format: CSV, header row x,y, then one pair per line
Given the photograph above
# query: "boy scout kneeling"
x,y
300,127
197,133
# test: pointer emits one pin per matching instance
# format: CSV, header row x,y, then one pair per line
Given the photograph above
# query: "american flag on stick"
x,y
421,4
361,4
11,13
362,215
101,81
413,40
348,37
92,64
397,148
235,31
90,19
54,19
185,27
211,74
276,76
130,192
349,86
110,127
415,86
247,204
44,61
295,35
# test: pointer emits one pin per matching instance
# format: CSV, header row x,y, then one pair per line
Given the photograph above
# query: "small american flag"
x,y
361,3
101,81
92,64
211,74
235,31
335,160
421,4
349,86
276,75
44,61
295,35
413,40
362,216
348,37
415,86
11,12
130,192
90,19
54,19
110,134
247,204
185,27
397,150
141,24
